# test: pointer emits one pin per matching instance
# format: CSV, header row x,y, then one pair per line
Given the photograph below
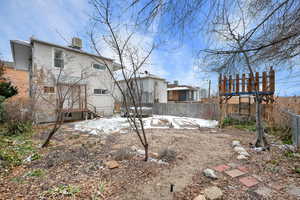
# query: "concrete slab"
x,y
234,173
221,168
249,181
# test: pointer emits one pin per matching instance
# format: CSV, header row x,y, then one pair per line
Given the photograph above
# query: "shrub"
x,y
123,154
7,89
248,125
36,173
167,155
62,190
17,128
2,98
18,109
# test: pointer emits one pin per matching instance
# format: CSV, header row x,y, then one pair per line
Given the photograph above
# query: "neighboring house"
x,y
19,78
177,93
83,75
154,88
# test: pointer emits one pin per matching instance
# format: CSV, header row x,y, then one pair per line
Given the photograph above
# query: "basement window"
x,y
48,89
100,91
58,58
99,66
68,115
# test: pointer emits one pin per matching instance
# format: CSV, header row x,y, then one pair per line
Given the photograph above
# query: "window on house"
x,y
68,114
100,91
99,66
58,58
48,89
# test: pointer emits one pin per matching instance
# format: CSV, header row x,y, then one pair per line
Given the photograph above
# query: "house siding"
x,y
74,64
150,91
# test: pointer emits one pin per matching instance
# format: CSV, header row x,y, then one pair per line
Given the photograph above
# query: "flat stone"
x,y
243,169
233,165
294,190
213,193
276,186
234,173
200,197
112,164
263,192
221,168
249,181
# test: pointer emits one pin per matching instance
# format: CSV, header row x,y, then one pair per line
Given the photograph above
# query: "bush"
x,y
167,155
123,154
18,110
248,125
2,98
7,89
17,128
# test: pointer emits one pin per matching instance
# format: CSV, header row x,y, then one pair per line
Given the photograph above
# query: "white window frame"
x,y
99,64
53,56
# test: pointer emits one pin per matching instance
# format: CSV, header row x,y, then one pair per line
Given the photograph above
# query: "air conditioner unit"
x,y
76,43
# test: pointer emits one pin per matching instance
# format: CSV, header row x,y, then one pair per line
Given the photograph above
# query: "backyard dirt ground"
x,y
75,166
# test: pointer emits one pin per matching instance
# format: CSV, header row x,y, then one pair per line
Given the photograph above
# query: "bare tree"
x,y
130,58
54,93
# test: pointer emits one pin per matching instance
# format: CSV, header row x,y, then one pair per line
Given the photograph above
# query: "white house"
x,y
153,88
50,66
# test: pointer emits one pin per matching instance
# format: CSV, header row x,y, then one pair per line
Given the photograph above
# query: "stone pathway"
x,y
243,176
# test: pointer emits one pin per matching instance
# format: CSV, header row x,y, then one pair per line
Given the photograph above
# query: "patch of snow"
x,y
157,161
119,124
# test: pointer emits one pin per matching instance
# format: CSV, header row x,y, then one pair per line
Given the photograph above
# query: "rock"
x,y
134,148
112,164
293,190
258,149
241,157
200,197
297,155
210,173
239,149
263,192
236,143
244,153
153,155
213,193
288,147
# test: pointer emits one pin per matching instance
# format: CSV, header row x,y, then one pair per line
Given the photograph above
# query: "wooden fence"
x,y
234,86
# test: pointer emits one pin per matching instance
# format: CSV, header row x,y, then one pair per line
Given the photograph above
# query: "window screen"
x,y
58,59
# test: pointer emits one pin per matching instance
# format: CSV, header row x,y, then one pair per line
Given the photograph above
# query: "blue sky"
x,y
60,21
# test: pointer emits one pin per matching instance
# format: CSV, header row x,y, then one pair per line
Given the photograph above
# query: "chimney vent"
x,y
175,82
76,43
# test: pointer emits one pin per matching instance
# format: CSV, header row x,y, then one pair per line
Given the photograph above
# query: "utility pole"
x,y
209,82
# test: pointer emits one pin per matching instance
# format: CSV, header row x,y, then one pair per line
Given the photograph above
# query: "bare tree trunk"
x,y
57,125
52,132
146,147
261,140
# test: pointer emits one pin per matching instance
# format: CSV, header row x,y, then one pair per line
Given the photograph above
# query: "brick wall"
x,y
20,79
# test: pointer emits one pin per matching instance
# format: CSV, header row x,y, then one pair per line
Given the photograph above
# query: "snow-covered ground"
x,y
119,124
